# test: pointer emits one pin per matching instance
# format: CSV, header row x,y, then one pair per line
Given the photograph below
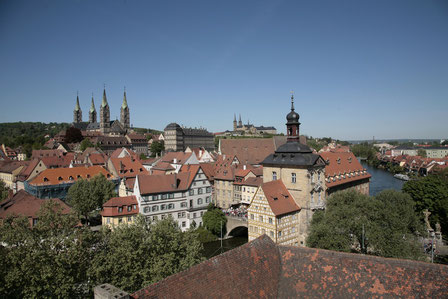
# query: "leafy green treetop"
x,y
384,225
214,220
88,195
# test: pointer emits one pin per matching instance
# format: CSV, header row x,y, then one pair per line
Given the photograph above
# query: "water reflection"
x,y
381,180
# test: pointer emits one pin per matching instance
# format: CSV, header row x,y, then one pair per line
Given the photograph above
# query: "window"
x,y
199,201
163,207
252,216
279,233
318,176
170,206
171,195
261,218
202,213
319,198
146,209
129,218
183,204
312,198
270,220
293,178
279,220
164,196
207,199
120,209
263,231
135,207
184,224
244,189
209,189
179,215
312,178
155,208
120,220
108,220
60,178
293,230
129,208
271,233
154,197
184,194
35,221
274,176
191,192
199,190
194,215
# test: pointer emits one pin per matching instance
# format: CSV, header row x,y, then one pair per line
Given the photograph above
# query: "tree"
x,y
135,255
214,220
73,135
142,156
86,143
3,190
88,195
431,193
384,225
157,147
49,260
421,152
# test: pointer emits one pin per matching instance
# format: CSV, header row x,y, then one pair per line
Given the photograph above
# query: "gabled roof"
x,y
128,167
57,176
153,184
279,198
345,165
26,171
123,151
251,150
180,157
253,181
10,166
110,208
25,204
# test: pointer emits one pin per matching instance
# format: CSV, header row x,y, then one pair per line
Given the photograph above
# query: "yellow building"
x,y
274,212
302,174
118,210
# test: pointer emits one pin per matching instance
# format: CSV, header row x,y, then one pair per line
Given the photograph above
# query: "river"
x,y
381,179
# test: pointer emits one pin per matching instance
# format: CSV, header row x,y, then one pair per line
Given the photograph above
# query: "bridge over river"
x,y
236,226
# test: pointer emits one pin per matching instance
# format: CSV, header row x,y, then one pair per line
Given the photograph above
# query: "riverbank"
x,y
381,179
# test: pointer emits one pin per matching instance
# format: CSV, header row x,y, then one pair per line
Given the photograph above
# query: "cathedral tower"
x,y
77,113
234,122
124,113
92,113
104,113
240,123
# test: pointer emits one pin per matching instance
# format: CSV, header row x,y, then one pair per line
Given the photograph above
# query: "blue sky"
x,y
358,68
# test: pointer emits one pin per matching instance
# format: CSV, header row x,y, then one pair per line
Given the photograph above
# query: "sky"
x,y
358,69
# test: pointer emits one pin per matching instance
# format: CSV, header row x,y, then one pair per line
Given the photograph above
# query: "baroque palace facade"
x,y
105,125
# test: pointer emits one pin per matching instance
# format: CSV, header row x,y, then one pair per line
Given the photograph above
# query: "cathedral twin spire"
x,y
104,112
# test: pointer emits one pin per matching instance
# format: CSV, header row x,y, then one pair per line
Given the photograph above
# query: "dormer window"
x,y
108,176
45,179
60,178
70,178
79,176
339,160
88,176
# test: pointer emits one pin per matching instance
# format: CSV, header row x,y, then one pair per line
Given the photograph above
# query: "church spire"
x,y
124,113
92,107
77,113
104,103
125,102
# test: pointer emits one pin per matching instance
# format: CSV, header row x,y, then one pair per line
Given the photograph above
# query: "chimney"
x,y
244,166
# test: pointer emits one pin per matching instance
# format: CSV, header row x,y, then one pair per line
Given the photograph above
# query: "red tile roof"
x,y
57,176
345,165
128,167
180,157
262,269
110,208
25,204
253,181
151,184
251,150
279,198
127,152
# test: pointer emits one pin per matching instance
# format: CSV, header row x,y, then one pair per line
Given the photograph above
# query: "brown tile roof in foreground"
x,y
57,176
110,207
262,269
279,198
128,167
